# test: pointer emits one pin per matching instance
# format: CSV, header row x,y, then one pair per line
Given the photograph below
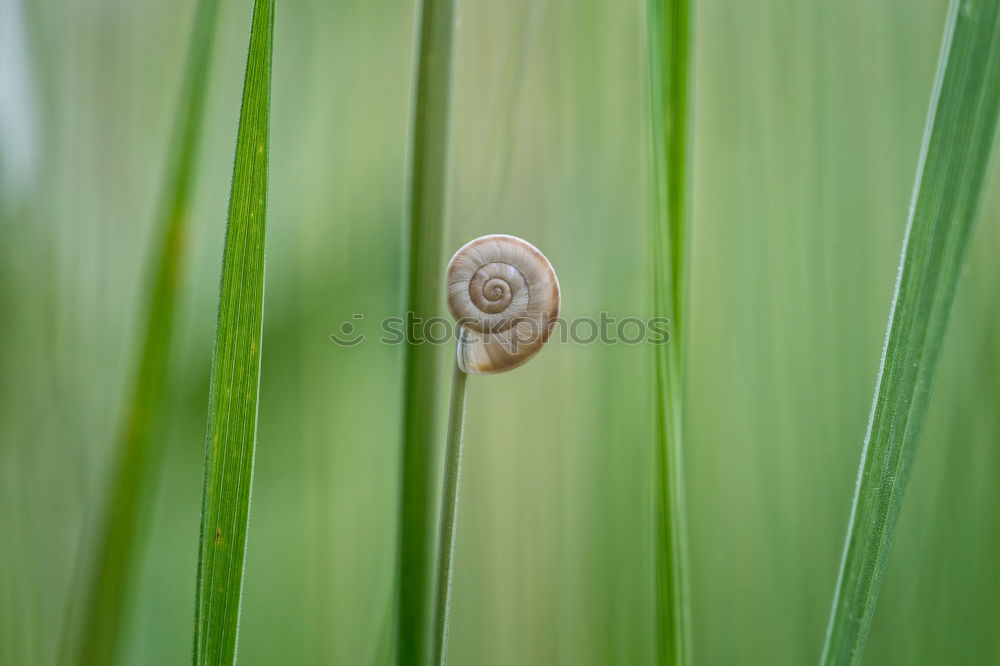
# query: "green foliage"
x,y
139,446
449,518
669,43
420,448
958,140
806,127
236,354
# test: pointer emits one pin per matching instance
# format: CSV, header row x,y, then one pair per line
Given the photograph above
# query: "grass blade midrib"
x,y
956,149
235,374
139,445
426,206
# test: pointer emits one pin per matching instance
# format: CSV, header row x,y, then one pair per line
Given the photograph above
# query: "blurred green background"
x,y
808,119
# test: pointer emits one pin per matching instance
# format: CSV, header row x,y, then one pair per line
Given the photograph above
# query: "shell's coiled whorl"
x,y
505,296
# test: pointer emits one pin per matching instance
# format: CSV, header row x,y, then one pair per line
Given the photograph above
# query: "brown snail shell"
x,y
505,296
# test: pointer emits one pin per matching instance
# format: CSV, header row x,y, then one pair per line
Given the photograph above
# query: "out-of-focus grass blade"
x,y
957,143
424,294
233,393
669,44
94,633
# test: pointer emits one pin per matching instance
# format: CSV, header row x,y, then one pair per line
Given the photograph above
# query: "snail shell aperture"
x,y
505,296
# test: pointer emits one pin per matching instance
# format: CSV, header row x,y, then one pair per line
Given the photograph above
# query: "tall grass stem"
x,y
669,47
958,141
449,516
426,207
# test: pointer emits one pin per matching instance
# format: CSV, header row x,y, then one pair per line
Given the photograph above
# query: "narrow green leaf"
x,y
426,212
140,440
957,143
235,383
449,517
669,44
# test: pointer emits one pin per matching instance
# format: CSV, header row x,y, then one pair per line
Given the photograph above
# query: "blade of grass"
x,y
139,443
235,378
957,144
426,212
669,44
449,517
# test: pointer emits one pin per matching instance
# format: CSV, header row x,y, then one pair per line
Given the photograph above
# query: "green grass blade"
x,y
139,444
233,393
669,44
957,142
449,517
424,292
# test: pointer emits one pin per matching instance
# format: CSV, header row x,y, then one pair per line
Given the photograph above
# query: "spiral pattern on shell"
x,y
505,295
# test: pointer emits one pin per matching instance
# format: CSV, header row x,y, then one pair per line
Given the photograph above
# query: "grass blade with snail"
x,y
958,140
428,174
669,45
94,633
505,296
236,354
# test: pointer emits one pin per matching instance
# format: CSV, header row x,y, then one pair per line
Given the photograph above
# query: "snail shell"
x,y
505,295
